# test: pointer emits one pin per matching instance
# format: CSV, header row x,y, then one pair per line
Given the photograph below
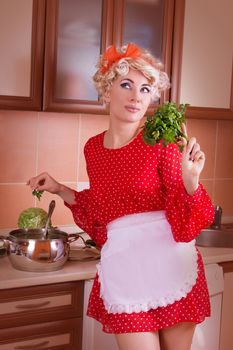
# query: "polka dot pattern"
x,y
138,178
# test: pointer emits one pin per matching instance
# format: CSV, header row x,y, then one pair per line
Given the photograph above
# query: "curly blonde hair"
x,y
144,62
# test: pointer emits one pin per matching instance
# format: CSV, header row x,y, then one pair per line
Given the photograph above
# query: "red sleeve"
x,y
83,214
80,210
187,214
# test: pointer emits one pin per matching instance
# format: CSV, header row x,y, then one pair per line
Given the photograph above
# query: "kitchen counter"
x,y
216,255
71,271
81,270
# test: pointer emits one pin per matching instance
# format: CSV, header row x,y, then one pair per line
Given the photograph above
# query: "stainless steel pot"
x,y
28,250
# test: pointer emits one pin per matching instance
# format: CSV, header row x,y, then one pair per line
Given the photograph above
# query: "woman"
x,y
144,208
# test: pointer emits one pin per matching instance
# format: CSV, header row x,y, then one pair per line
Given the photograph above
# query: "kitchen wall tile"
x,y
205,132
14,199
224,195
224,168
18,135
58,145
90,125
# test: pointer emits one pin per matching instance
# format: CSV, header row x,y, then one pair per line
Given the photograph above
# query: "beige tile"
x,y
16,198
13,200
205,132
224,196
90,125
224,166
58,145
18,145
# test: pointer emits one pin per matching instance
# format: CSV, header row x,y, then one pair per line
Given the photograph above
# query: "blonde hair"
x,y
145,62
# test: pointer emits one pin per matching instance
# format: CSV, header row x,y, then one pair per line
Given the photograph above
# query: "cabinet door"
x,y
205,51
22,52
226,338
148,24
76,33
58,335
21,306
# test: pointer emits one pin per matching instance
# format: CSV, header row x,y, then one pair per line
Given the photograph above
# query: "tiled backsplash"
x,y
32,142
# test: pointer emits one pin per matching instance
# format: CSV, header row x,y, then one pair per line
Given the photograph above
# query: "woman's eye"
x,y
145,89
125,85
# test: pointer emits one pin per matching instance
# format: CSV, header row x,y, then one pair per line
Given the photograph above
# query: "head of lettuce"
x,y
32,218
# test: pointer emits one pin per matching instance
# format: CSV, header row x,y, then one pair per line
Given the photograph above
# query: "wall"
x,y
32,142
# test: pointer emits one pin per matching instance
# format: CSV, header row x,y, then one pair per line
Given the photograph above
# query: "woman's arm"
x,y
45,182
78,202
187,204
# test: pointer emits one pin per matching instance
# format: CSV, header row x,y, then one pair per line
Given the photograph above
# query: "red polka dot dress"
x,y
139,178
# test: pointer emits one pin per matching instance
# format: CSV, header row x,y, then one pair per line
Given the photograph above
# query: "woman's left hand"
x,y
193,160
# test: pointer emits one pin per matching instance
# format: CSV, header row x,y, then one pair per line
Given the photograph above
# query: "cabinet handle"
x,y
33,306
31,347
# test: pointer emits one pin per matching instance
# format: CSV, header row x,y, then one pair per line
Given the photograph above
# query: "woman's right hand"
x,y
44,182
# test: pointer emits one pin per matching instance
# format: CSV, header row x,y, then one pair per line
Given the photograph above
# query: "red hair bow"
x,y
112,55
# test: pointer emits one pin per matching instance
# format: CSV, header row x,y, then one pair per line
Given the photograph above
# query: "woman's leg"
x,y
178,336
138,341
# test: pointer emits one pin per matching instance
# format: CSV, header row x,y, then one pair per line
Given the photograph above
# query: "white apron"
x,y
142,267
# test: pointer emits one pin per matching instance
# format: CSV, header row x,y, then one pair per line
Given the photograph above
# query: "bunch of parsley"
x,y
165,124
37,193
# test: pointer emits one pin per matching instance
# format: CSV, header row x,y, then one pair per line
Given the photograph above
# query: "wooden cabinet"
x,y
22,25
204,54
78,31
42,317
67,38
226,336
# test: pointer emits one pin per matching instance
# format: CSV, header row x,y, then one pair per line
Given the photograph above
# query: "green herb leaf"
x,y
37,193
165,124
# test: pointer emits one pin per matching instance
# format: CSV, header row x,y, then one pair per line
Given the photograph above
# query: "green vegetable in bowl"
x,y
37,193
32,218
165,124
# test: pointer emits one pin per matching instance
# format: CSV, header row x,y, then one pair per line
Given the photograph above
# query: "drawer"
x,y
41,303
62,335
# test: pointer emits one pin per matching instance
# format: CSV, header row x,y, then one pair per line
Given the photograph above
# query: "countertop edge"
x,y
83,270
71,271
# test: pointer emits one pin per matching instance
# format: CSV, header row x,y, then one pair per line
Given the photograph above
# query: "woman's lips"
x,y
132,109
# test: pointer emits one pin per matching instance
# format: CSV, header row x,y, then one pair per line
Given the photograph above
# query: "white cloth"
x,y
142,267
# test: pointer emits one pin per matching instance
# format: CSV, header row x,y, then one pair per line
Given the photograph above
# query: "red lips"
x,y
132,109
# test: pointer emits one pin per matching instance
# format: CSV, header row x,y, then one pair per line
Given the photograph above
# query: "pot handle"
x,y
5,239
74,237
6,244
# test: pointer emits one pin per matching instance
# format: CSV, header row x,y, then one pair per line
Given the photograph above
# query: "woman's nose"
x,y
135,95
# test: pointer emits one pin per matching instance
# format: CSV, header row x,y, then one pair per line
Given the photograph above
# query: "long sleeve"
x,y
84,216
80,210
187,214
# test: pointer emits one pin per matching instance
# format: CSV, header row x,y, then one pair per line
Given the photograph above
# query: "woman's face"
x,y
129,97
